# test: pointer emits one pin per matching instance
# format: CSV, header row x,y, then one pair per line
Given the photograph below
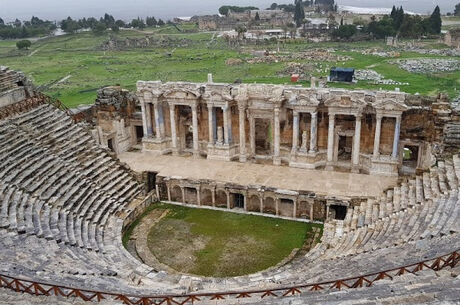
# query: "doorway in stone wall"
x,y
139,134
263,137
344,148
410,159
238,200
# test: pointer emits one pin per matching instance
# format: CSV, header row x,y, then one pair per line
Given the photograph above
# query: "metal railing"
x,y
48,289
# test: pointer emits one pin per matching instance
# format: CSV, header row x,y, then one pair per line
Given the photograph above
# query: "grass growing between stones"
x,y
221,244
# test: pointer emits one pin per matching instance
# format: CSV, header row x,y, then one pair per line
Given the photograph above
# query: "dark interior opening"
x,y
238,200
110,144
410,156
139,133
345,147
339,211
151,181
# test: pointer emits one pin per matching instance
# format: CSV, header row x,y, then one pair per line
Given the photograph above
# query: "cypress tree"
x,y
435,21
299,13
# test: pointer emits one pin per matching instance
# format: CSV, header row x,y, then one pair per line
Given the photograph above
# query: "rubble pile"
x,y
381,53
441,52
233,62
115,43
297,68
428,65
375,78
314,55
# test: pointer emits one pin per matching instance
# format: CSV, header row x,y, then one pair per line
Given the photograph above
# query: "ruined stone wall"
x,y
14,87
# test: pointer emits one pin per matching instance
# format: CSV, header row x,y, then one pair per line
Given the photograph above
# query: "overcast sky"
x,y
127,9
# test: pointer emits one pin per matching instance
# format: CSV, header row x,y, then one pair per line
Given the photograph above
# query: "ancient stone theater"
x,y
379,169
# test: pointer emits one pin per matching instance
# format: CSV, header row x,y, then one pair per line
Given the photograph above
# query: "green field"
x,y
217,243
90,68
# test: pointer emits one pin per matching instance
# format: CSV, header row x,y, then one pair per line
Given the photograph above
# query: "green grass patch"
x,y
80,55
217,243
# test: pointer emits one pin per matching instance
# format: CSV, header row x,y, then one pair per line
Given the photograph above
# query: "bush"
x,y
23,44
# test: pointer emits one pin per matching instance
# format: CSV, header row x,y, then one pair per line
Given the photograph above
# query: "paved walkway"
x,y
327,183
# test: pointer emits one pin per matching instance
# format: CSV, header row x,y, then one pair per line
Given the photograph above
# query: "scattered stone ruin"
x,y
14,87
115,43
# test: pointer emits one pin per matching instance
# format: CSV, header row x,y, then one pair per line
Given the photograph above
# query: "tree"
x,y
241,30
2,22
435,21
99,28
457,9
225,9
257,18
345,31
115,28
69,25
160,22
393,13
274,6
151,21
299,13
120,23
23,44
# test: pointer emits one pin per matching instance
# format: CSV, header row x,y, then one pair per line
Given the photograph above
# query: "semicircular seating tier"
x,y
64,201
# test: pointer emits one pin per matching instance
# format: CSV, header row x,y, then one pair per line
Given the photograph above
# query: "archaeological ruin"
x,y
379,169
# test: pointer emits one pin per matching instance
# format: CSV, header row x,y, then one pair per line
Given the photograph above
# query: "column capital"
x,y
277,110
379,116
295,112
331,115
314,113
358,115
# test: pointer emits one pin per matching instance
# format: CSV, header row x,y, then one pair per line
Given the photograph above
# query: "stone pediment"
x,y
390,105
181,94
217,96
304,100
345,101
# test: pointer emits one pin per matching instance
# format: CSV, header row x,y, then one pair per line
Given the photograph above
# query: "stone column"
x,y
182,189
276,139
295,132
242,119
196,151
144,119
172,119
277,206
148,114
311,211
213,195
378,131
226,133
162,119
228,199
261,203
330,138
394,155
198,196
168,190
252,135
211,125
313,132
157,121
245,202
357,140
294,209
327,212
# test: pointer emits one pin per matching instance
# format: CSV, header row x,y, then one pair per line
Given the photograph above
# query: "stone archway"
x,y
221,199
286,207
206,197
190,195
269,206
176,194
253,203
